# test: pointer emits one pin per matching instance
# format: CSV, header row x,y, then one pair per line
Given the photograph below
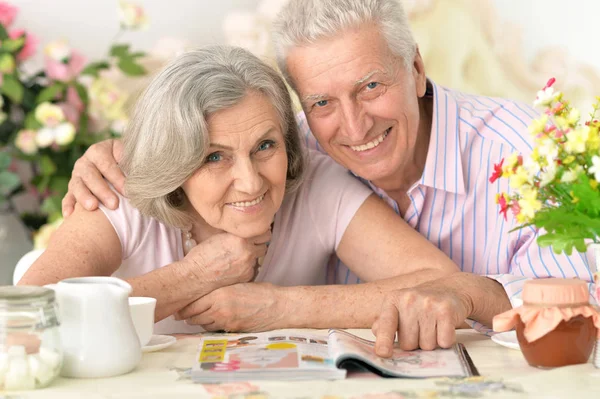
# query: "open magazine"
x,y
294,355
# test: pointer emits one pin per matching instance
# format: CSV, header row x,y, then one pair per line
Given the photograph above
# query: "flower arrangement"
x,y
556,187
49,118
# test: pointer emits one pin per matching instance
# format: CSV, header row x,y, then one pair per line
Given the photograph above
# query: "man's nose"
x,y
247,179
356,122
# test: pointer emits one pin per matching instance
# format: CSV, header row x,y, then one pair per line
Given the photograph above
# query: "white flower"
x,y
26,142
547,148
49,115
546,96
58,50
132,16
571,175
595,168
548,174
62,134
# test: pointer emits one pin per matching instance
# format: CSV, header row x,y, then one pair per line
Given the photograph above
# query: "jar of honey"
x,y
556,326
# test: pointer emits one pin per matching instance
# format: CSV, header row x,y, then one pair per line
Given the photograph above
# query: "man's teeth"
x,y
371,144
248,203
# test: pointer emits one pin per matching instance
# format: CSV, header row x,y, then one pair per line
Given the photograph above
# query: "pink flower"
x,y
73,107
30,45
57,70
8,12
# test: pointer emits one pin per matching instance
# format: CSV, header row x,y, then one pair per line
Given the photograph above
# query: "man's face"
x,y
360,101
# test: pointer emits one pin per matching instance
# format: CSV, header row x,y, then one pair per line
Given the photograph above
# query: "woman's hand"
x,y
225,259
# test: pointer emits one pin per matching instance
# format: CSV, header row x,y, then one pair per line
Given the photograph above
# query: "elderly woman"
x,y
227,223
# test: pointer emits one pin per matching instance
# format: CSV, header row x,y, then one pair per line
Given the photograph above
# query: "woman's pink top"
x,y
308,229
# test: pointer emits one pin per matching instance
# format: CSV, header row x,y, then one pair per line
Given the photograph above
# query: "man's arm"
x,y
87,184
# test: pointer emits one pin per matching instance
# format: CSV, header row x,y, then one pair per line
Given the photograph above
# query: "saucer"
x,y
158,342
508,339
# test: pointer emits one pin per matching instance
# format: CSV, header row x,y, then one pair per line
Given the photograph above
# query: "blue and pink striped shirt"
x,y
453,204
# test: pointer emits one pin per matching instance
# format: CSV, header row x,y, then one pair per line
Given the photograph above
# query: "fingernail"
x,y
89,204
383,350
112,203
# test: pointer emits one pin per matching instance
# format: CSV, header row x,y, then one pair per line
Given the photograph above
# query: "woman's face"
x,y
241,184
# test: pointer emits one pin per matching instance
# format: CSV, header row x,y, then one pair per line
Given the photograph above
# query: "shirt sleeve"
x,y
332,196
129,224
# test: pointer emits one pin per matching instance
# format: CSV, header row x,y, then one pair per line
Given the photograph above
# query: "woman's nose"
x,y
247,178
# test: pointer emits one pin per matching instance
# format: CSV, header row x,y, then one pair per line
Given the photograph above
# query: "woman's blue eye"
x,y
265,145
214,157
372,85
321,103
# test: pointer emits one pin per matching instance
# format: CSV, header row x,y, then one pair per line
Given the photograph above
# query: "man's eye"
x,y
214,157
321,103
372,85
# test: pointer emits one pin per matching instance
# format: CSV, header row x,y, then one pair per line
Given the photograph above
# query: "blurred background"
x,y
109,49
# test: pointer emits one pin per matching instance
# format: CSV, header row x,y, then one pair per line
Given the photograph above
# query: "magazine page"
x,y
276,354
349,350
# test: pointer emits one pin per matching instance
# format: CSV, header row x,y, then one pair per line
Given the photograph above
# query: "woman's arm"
x,y
86,244
380,248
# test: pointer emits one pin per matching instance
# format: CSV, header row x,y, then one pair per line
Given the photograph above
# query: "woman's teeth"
x,y
371,144
248,203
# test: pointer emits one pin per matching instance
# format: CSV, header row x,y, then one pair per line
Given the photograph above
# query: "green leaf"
x,y
9,181
5,160
50,92
3,33
94,68
47,166
52,204
130,67
42,183
59,185
12,45
119,50
31,122
137,54
12,88
82,92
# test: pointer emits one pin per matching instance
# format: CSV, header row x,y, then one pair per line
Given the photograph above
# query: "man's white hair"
x,y
302,22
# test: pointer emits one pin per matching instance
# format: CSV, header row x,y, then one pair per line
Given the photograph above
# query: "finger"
x,y
202,319
212,327
82,195
427,334
259,251
385,331
446,333
102,158
408,332
96,184
195,308
68,205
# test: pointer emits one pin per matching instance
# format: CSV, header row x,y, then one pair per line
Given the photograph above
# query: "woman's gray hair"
x,y
167,139
302,22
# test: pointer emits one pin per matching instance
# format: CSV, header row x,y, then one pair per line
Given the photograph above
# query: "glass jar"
x,y
30,349
556,326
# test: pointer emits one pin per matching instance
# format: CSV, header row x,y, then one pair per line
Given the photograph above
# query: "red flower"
x,y
497,171
550,83
504,206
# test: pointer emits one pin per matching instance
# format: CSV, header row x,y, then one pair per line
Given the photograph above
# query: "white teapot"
x,y
97,334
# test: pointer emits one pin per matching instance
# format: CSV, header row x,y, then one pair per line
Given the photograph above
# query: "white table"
x,y
154,378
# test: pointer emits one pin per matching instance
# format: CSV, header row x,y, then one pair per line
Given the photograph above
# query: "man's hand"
x,y
87,184
239,307
424,317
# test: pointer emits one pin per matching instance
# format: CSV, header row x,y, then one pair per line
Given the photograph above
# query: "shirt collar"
x,y
443,165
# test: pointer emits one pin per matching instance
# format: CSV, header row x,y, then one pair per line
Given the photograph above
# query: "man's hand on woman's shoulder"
x,y
87,185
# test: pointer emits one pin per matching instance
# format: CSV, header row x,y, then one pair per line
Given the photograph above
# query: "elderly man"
x,y
427,150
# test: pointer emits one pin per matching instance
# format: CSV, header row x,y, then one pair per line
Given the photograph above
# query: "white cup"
x,y
142,315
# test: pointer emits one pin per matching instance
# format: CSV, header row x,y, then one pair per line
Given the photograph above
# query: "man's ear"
x,y
419,75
